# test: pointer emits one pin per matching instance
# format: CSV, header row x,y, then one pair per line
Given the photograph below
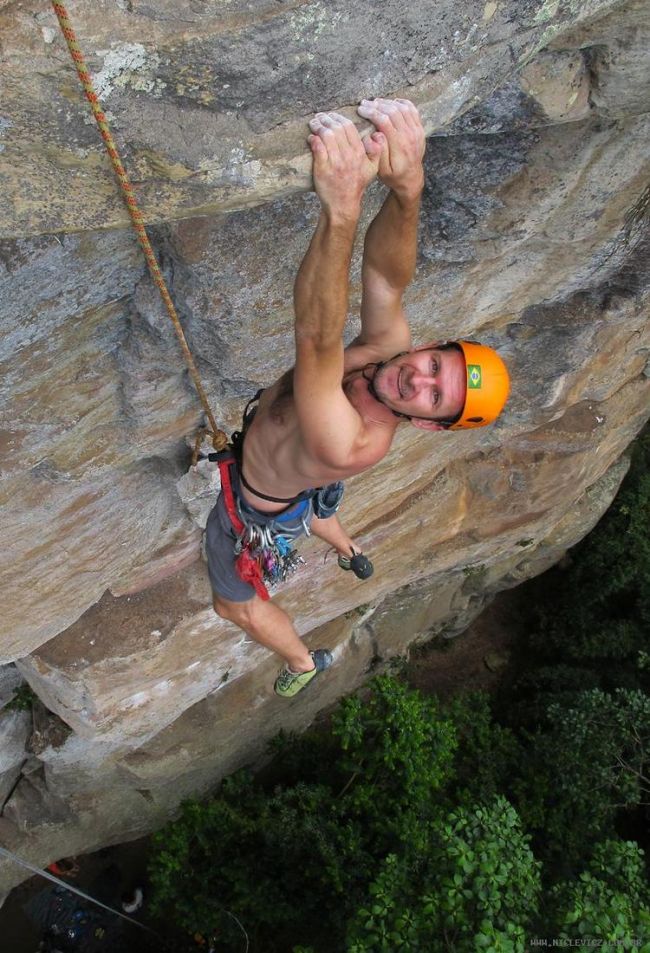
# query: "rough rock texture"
x,y
209,104
14,732
10,681
538,121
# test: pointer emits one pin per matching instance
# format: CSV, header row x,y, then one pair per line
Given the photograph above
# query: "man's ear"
x,y
426,424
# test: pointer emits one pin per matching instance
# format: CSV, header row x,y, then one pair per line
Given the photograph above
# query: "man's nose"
x,y
421,379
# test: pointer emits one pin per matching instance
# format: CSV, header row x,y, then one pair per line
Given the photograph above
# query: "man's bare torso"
x,y
276,461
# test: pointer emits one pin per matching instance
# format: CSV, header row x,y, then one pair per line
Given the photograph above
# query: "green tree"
x,y
590,760
272,859
397,753
277,858
475,886
399,837
487,753
609,902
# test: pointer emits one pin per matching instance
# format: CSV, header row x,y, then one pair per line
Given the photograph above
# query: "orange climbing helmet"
x,y
488,385
486,390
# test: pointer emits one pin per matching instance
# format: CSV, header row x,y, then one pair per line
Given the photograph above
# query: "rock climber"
x,y
336,412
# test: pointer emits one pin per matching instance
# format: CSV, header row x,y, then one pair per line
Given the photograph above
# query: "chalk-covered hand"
x,y
400,163
344,164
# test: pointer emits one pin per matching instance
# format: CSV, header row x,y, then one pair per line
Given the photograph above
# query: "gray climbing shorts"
x,y
220,537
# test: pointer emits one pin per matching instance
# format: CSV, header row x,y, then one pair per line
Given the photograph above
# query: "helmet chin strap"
x,y
371,387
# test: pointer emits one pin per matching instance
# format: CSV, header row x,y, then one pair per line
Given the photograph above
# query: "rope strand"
x,y
219,438
80,893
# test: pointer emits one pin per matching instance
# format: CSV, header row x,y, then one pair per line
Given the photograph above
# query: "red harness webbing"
x,y
248,568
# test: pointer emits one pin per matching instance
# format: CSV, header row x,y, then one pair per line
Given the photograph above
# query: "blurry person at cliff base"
x,y
335,413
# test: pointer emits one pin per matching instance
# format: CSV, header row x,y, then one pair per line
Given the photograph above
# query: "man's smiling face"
x,y
429,383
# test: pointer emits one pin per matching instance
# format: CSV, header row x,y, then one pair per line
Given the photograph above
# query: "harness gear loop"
x,y
219,438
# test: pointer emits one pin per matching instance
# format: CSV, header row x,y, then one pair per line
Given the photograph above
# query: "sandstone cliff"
x,y
538,122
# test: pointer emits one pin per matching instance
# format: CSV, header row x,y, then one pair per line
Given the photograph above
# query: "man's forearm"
x,y
391,241
321,290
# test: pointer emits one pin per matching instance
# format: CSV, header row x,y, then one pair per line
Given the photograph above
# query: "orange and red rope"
x,y
219,438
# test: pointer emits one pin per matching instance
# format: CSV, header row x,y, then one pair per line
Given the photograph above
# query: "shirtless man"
x,y
336,413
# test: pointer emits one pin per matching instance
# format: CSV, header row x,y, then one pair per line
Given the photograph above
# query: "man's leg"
x,y
269,625
333,533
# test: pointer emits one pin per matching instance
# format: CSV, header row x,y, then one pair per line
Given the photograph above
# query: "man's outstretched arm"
x,y
343,167
391,241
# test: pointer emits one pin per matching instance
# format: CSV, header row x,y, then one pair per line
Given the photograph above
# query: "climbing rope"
x,y
219,438
80,893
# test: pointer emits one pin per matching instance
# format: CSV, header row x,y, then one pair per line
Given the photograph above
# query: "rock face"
x,y
537,114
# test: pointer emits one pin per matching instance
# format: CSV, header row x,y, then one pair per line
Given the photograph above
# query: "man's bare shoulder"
x,y
359,352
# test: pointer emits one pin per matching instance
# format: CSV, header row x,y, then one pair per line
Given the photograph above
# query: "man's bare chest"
x,y
276,439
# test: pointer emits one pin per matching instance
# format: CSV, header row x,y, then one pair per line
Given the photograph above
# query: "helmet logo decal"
x,y
474,376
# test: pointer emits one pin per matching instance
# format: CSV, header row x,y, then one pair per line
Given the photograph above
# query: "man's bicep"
x,y
383,320
328,422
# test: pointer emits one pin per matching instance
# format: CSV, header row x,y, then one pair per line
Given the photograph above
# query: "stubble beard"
x,y
377,382
392,401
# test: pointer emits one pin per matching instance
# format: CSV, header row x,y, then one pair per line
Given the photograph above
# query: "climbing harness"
x,y
219,438
263,550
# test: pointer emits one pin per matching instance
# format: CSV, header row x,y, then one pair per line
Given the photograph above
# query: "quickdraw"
x,y
279,558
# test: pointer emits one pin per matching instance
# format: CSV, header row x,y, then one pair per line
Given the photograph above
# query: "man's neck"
x,y
355,387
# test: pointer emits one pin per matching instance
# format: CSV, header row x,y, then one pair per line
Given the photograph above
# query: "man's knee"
x,y
238,612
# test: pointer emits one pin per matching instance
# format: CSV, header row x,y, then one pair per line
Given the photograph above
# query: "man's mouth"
x,y
402,385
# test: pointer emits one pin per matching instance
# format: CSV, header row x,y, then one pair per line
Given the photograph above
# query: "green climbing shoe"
x,y
289,684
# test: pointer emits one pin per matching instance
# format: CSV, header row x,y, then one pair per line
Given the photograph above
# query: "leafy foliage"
x,y
610,902
273,860
312,845
23,699
397,751
391,841
487,753
592,759
474,886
